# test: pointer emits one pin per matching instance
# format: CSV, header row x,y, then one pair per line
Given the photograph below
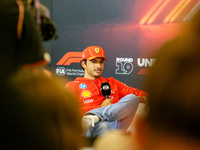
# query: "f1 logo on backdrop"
x,y
70,57
67,59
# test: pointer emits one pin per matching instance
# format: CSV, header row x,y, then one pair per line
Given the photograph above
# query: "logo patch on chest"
x,y
86,93
82,86
88,101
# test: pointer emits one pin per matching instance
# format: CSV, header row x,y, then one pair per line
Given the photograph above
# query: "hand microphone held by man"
x,y
105,89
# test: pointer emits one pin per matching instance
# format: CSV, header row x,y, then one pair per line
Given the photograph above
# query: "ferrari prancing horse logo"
x,y
96,50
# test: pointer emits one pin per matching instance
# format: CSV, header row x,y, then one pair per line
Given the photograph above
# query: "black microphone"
x,y
105,89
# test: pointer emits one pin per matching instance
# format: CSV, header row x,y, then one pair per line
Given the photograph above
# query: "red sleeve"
x,y
124,90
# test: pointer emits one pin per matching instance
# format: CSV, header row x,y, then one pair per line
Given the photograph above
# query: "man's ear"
x,y
141,133
83,64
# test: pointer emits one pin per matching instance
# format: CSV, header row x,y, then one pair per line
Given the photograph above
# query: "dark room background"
x,y
130,32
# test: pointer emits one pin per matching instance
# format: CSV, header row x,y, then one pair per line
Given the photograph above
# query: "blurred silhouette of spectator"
x,y
121,140
21,45
173,118
38,113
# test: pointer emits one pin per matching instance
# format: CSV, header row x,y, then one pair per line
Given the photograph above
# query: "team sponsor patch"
x,y
88,101
82,86
86,94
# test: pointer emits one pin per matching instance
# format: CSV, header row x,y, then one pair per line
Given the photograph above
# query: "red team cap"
x,y
93,52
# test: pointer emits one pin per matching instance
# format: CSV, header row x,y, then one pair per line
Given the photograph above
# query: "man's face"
x,y
93,68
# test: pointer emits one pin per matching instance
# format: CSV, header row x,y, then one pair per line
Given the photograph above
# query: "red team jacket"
x,y
89,91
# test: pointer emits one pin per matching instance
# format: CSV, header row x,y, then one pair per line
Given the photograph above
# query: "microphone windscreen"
x,y
105,89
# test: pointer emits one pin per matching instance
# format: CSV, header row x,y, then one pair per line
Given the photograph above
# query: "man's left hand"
x,y
143,99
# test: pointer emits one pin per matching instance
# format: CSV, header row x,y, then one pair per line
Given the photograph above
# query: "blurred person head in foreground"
x,y
21,44
37,112
173,118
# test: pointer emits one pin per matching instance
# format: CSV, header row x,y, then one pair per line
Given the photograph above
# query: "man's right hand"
x,y
106,102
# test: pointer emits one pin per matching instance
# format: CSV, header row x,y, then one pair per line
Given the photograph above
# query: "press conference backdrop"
x,y
130,32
